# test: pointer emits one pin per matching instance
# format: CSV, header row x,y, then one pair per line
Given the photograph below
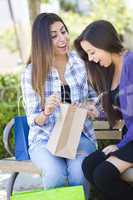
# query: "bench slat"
x,y
11,165
105,125
108,135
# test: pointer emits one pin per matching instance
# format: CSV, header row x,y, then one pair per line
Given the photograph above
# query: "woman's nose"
x,y
61,38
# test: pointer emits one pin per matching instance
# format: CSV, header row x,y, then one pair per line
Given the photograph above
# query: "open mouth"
x,y
64,47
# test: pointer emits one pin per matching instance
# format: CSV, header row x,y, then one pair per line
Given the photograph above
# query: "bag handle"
x,y
18,104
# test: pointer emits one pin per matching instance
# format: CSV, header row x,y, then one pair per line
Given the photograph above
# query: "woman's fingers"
x,y
53,99
93,113
109,149
51,103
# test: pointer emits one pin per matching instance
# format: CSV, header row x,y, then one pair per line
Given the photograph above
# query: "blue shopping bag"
x,y
21,131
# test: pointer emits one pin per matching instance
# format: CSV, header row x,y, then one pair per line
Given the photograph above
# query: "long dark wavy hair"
x,y
102,35
42,50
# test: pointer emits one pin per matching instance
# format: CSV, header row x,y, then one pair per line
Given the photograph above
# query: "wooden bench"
x,y
15,167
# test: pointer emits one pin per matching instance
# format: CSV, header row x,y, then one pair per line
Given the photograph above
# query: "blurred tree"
x,y
68,6
113,10
34,8
14,27
45,1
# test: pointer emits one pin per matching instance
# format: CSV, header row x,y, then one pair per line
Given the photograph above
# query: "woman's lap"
x,y
57,168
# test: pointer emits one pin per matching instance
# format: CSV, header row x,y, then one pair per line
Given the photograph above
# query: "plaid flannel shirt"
x,y
76,77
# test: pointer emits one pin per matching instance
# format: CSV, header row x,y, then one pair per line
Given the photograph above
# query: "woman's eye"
x,y
53,36
63,32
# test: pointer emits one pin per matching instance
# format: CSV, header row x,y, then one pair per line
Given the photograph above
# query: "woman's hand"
x,y
92,111
52,102
91,108
50,106
109,149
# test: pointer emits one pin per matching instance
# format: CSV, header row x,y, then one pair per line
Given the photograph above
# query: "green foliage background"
x,y
113,10
9,93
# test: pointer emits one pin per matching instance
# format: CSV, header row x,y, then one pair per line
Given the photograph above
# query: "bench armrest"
x,y
7,135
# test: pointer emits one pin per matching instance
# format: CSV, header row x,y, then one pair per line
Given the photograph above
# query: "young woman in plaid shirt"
x,y
53,70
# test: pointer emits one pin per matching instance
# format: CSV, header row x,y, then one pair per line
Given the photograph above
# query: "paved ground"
x,y
2,195
24,182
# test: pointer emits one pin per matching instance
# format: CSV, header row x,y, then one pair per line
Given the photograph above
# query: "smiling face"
x,y
96,55
60,38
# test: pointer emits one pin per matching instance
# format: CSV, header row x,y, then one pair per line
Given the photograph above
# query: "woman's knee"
x,y
91,162
53,179
76,177
105,174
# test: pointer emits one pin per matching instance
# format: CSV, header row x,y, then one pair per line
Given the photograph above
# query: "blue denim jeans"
x,y
57,171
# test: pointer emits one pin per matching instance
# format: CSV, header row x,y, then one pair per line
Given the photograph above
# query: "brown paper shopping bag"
x,y
66,133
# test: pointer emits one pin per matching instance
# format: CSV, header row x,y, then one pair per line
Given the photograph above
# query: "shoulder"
x,y
128,65
26,73
75,59
128,59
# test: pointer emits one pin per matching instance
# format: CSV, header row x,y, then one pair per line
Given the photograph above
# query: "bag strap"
x,y
18,104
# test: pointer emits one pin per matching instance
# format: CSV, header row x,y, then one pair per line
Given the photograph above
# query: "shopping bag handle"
x,y
18,104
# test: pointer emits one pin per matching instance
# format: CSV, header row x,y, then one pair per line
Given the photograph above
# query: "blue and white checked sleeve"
x,y
30,97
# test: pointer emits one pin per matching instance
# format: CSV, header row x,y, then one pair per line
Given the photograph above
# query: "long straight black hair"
x,y
102,35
